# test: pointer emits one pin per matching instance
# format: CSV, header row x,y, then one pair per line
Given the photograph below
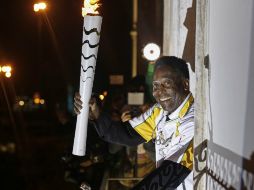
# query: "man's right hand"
x,y
126,116
94,110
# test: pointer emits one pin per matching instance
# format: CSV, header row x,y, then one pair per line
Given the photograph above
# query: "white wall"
x,y
231,59
249,117
231,49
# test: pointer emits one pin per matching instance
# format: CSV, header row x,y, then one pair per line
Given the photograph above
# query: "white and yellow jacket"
x,y
173,137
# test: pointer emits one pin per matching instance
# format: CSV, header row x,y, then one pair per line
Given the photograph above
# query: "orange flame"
x,y
90,7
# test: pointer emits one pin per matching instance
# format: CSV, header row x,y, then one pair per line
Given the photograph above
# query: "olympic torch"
x,y
90,44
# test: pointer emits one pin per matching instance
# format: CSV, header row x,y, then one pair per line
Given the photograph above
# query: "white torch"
x,y
90,44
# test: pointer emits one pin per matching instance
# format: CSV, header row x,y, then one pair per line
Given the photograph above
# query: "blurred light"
x,y
11,147
36,100
151,51
7,69
3,148
43,5
40,6
105,93
101,97
36,8
8,74
42,101
21,103
4,68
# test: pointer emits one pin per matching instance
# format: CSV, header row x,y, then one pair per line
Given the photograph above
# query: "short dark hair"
x,y
177,64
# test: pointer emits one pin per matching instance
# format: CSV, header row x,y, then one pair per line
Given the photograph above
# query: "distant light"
x,y
3,148
4,68
42,101
36,100
36,7
151,51
105,93
8,74
11,147
40,6
7,69
101,97
21,103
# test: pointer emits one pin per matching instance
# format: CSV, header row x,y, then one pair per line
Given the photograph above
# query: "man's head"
x,y
170,82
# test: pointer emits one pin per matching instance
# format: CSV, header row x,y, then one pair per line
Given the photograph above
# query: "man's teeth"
x,y
164,99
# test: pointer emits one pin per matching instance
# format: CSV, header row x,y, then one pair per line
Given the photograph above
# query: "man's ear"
x,y
186,85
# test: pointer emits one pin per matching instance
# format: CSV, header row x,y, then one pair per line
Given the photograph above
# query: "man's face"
x,y
169,89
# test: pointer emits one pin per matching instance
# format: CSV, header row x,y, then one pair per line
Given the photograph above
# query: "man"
x,y
169,124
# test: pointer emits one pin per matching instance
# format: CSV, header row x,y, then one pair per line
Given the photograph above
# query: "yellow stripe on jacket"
x,y
147,128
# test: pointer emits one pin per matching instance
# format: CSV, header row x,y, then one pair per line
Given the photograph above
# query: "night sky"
x,y
45,53
45,49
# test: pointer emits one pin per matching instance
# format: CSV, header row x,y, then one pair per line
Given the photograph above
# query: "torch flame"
x,y
90,7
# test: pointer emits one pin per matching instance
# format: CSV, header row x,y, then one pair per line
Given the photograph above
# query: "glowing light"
x,y
21,103
42,101
105,93
3,148
90,7
40,6
101,97
36,8
7,69
151,51
4,69
36,100
8,74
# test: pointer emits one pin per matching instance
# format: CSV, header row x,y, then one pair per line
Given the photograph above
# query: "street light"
x,y
151,51
39,9
8,74
40,6
6,70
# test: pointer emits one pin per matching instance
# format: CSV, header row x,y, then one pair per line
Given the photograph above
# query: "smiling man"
x,y
169,124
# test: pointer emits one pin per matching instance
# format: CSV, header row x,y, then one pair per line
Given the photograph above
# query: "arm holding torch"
x,y
110,131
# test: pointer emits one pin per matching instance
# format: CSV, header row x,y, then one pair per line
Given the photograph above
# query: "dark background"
x,y
44,51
